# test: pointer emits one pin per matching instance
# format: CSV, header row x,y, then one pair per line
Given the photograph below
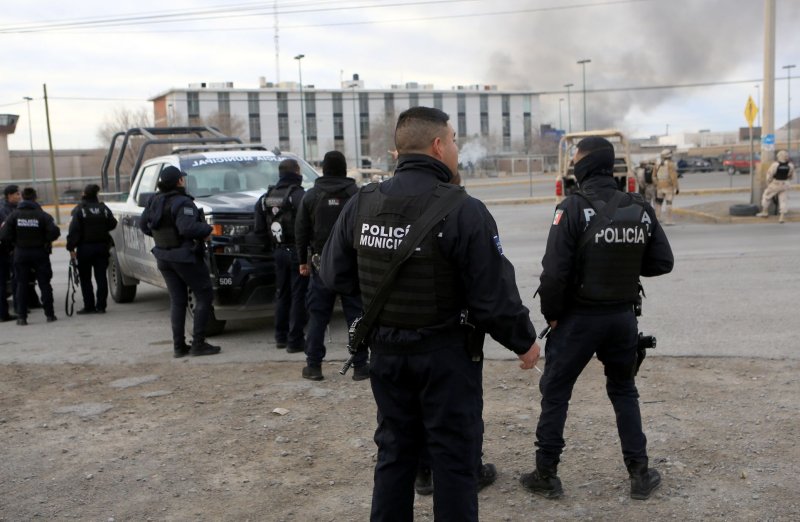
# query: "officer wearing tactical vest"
x,y
319,210
11,198
647,181
426,383
276,212
179,230
601,241
780,173
31,231
87,242
666,185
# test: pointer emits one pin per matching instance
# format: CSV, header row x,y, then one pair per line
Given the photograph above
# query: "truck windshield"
x,y
217,175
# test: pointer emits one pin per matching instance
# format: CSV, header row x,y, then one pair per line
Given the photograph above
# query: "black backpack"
x,y
327,208
280,214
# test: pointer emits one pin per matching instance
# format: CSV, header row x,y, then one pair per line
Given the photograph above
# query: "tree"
x,y
381,141
227,124
120,120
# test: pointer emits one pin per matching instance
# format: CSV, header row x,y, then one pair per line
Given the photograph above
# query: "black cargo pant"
x,y
93,257
291,314
180,278
33,262
433,401
570,347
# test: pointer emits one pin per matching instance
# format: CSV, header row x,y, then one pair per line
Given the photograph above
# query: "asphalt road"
x,y
732,293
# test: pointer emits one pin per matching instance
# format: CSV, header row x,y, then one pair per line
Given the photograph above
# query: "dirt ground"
x,y
188,440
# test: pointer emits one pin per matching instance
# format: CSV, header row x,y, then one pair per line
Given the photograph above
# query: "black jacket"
x,y
304,226
76,226
469,240
192,229
8,231
559,266
260,228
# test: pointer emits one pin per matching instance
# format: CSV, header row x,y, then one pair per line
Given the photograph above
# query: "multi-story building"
x,y
355,120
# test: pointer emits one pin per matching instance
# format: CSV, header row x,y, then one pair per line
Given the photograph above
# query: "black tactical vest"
x,y
782,172
648,175
280,214
610,262
425,292
94,226
166,235
31,228
325,213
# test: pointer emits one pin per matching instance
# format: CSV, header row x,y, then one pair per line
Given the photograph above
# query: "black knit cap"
x,y
600,148
334,164
10,189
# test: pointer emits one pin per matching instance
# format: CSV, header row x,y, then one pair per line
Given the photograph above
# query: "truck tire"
x,y
743,210
214,326
120,292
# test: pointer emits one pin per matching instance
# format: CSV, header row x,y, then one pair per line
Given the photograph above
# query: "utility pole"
x,y
302,102
768,132
758,103
560,123
52,157
583,64
789,108
28,99
569,107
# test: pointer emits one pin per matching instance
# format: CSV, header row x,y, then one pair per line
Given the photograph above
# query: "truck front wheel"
x,y
214,326
120,292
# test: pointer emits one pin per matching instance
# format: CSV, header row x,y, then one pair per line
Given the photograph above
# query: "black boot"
x,y
644,481
487,474
543,482
181,349
201,347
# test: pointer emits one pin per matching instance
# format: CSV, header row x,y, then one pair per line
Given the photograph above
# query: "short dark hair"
x,y
288,166
10,189
91,191
417,127
29,194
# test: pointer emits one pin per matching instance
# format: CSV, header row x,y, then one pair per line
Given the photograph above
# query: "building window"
x,y
253,117
363,107
388,105
413,99
461,100
283,103
192,105
224,102
337,103
437,101
311,115
506,103
283,127
338,117
484,114
526,130
311,102
363,103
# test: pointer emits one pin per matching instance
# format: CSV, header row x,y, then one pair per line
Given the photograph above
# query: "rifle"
x,y
73,282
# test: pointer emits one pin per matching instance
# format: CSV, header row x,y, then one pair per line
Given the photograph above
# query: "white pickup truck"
x,y
226,178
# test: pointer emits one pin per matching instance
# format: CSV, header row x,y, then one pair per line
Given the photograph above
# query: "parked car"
x,y
70,196
740,162
693,165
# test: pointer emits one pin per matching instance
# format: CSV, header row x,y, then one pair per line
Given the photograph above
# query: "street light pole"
x,y
789,108
569,107
560,123
758,102
583,64
302,102
28,100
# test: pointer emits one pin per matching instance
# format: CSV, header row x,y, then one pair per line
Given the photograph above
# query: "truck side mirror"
x,y
143,198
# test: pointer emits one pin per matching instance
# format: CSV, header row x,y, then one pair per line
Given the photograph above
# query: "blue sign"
x,y
768,139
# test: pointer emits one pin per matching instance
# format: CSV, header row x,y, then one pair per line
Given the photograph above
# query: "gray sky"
x,y
93,68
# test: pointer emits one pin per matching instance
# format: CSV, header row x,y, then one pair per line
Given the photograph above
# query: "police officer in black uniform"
x,y
426,384
319,209
276,212
179,230
88,241
588,286
31,231
11,198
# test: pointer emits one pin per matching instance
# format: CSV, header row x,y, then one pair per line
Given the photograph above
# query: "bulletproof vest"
x,y
782,173
325,213
648,175
610,261
94,227
662,172
280,214
425,292
30,228
166,234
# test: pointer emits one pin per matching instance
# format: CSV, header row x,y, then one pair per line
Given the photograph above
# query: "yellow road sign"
x,y
750,111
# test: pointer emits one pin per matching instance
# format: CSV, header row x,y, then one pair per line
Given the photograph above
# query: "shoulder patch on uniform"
x,y
189,211
499,246
557,216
